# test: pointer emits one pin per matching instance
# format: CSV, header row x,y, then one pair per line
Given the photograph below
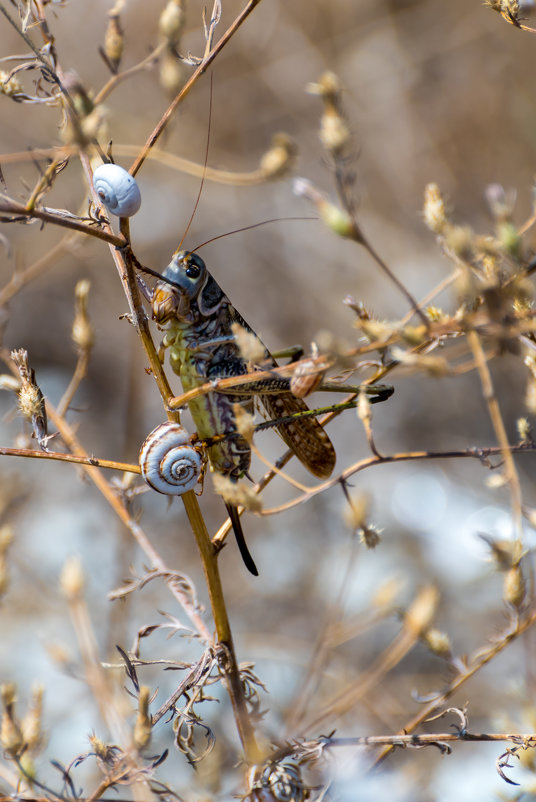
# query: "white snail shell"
x,y
117,190
168,461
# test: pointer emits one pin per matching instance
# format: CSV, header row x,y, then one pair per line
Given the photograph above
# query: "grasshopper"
x,y
198,316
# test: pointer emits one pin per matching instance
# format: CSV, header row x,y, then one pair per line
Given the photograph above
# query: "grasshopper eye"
x,y
193,271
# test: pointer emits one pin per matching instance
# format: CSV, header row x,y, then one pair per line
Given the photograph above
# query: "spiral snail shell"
x,y
168,461
117,190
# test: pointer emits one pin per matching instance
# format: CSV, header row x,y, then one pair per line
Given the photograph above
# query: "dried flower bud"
x,y
278,160
113,41
387,594
460,240
438,642
95,124
334,132
143,725
421,612
236,493
505,553
434,212
103,751
10,734
172,21
72,578
31,725
6,537
514,588
250,347
82,331
335,218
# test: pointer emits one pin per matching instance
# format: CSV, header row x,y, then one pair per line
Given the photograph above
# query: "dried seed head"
x,y
387,594
10,86
6,537
370,536
250,347
171,72
334,132
435,314
82,331
236,493
245,422
10,734
434,211
461,241
113,41
31,724
524,430
505,553
509,239
95,124
514,588
143,725
336,219
501,204
438,642
420,614
278,160
72,579
172,21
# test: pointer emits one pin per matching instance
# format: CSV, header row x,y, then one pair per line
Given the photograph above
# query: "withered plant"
x,y
196,680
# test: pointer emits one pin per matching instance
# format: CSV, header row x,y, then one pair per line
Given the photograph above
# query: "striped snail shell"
x,y
168,461
117,190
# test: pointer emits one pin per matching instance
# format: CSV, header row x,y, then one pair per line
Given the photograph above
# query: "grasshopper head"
x,y
188,291
184,278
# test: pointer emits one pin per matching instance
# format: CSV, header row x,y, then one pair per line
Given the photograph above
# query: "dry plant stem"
x,y
96,678
223,628
498,424
323,648
346,699
22,277
361,465
12,207
137,532
191,505
78,375
77,460
526,740
115,80
387,270
439,701
205,64
227,177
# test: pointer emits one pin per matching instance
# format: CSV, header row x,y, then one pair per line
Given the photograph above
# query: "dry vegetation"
x,y
392,621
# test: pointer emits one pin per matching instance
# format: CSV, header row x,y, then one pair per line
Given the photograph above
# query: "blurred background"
x,y
434,91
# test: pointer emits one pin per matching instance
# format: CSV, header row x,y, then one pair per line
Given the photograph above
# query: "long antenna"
x,y
248,228
190,221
